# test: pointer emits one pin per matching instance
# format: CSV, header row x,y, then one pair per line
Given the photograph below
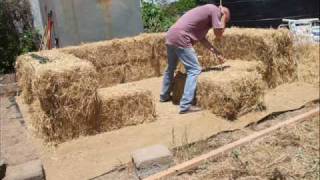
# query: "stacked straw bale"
x,y
125,105
308,60
61,84
64,92
229,91
124,60
270,46
144,56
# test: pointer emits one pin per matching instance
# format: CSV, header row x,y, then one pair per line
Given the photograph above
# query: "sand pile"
x,y
229,91
308,60
64,94
125,105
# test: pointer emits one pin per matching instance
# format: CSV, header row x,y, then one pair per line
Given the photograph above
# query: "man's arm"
x,y
209,46
218,32
212,49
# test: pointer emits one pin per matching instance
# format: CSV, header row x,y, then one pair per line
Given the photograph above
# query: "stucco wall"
x,y
78,21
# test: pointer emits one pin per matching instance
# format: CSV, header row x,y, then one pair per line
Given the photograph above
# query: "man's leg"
x,y
189,59
169,73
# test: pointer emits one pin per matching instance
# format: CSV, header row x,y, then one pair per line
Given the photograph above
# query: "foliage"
x,y
8,40
185,5
154,18
16,32
159,17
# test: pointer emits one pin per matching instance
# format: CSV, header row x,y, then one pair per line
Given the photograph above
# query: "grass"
x,y
289,153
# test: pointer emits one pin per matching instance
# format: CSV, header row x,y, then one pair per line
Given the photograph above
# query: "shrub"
x,y
159,17
17,35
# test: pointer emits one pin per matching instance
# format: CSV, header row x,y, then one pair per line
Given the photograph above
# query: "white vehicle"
x,y
303,29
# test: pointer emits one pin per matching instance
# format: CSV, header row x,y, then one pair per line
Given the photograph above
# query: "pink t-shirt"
x,y
194,26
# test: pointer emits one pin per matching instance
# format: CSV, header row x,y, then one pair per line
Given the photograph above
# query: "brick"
x,y
31,170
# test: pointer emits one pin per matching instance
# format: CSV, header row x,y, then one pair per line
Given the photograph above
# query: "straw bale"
x,y
144,56
308,60
231,97
25,71
125,105
270,46
229,90
124,60
65,90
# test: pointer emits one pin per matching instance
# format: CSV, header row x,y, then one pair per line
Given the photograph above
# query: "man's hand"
x,y
215,51
221,59
217,54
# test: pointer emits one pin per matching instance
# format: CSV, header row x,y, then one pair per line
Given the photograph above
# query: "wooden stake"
x,y
198,160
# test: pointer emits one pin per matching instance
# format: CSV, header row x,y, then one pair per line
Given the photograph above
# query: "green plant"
x,y
16,32
184,5
160,17
27,41
154,18
8,40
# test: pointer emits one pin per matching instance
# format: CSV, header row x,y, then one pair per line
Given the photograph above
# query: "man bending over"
x,y
192,27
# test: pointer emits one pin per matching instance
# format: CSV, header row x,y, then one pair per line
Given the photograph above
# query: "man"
x,y
189,29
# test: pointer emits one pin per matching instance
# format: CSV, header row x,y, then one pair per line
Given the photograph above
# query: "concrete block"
x,y
3,167
31,170
151,160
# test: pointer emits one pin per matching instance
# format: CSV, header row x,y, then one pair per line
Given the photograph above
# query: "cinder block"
x,y
151,160
31,170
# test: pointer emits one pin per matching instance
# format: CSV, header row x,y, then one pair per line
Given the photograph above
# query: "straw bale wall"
x,y
63,93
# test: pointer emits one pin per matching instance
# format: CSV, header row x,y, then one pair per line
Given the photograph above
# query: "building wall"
x,y
79,21
36,13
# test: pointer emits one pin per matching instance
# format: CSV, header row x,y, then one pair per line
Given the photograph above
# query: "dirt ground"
x,y
15,146
7,78
289,153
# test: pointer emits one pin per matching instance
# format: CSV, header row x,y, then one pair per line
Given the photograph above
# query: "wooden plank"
x,y
199,160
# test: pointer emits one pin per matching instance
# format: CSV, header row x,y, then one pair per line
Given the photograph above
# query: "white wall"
x,y
36,13
79,21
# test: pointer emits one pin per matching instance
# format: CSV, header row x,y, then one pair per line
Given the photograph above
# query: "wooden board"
x,y
201,159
